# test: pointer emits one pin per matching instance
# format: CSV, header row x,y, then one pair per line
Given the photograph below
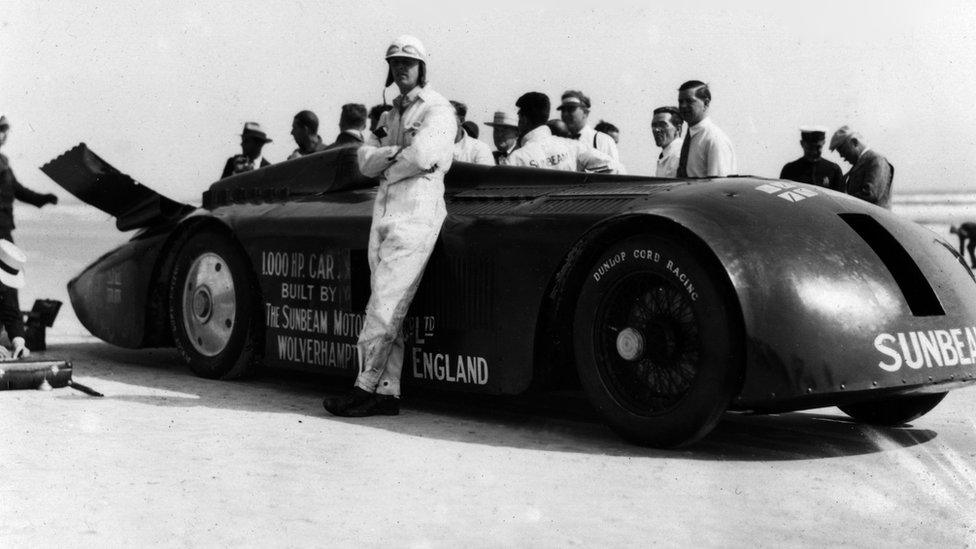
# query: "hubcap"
x,y
209,304
630,344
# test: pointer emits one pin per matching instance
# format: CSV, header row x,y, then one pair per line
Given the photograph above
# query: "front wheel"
x,y
658,339
212,307
894,410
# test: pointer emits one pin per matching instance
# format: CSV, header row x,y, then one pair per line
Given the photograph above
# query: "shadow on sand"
x,y
562,422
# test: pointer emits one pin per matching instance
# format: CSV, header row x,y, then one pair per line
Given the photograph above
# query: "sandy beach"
x,y
168,459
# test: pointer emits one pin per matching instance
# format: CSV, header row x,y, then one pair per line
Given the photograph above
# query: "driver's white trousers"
x,y
400,244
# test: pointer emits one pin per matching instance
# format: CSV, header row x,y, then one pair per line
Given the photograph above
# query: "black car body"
x,y
669,300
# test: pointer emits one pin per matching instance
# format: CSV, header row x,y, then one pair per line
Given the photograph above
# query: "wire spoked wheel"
x,y
648,343
658,339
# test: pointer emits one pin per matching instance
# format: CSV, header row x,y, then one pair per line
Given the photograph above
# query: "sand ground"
x,y
168,459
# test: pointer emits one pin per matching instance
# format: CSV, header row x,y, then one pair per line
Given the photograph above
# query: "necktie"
x,y
683,160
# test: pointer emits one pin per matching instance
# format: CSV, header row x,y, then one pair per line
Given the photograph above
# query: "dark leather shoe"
x,y
376,405
338,405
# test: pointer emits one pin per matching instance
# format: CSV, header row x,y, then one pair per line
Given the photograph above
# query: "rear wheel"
x,y
894,410
212,307
657,340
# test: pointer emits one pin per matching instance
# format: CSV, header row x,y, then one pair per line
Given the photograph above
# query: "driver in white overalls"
x,y
409,152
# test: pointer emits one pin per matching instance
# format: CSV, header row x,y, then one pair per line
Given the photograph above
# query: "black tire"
x,y
894,410
658,339
212,307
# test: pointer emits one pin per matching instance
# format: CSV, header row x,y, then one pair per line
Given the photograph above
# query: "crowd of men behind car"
x,y
692,145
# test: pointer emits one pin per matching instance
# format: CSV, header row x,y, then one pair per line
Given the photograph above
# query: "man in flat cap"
x,y
812,168
253,140
706,150
538,148
305,130
10,189
504,133
574,109
871,174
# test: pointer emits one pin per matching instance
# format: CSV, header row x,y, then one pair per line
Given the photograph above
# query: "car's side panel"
x,y
472,324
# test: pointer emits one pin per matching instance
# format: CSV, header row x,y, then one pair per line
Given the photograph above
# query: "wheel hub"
x,y
209,304
202,304
630,344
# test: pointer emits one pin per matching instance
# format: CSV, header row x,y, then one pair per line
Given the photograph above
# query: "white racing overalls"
x,y
410,161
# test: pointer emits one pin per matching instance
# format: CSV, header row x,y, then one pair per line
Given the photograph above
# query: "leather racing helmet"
x,y
412,48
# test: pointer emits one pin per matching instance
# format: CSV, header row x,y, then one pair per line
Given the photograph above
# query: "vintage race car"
x,y
667,301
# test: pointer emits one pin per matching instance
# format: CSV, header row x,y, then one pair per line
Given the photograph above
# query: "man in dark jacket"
x,y
871,174
812,168
10,189
352,122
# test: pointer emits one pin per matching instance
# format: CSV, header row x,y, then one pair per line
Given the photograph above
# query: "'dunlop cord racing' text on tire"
x,y
658,339
212,307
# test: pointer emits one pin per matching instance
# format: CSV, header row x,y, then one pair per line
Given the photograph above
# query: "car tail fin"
x,y
94,181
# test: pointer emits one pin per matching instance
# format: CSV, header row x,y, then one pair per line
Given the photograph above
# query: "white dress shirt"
x,y
667,162
710,153
592,139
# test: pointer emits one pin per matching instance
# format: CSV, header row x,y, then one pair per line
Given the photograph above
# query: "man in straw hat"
x,y
10,189
505,134
871,174
253,139
409,154
12,261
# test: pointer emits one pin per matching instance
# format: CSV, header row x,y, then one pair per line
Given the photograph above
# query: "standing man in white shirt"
x,y
467,148
706,151
666,128
540,149
410,159
575,110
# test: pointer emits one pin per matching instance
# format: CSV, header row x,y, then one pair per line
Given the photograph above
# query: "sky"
x,y
161,89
